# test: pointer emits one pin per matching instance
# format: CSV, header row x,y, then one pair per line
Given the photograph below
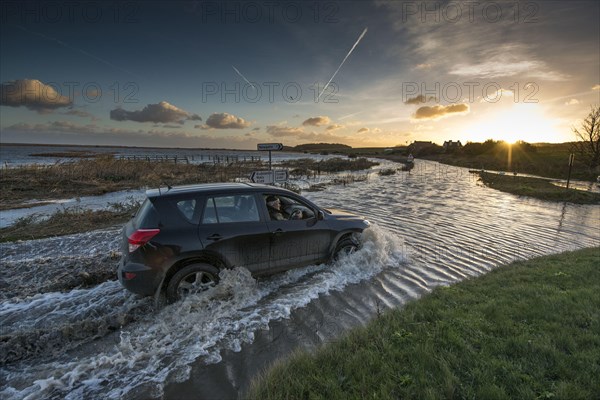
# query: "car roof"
x,y
212,188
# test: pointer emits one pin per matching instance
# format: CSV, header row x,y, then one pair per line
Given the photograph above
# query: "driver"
x,y
277,213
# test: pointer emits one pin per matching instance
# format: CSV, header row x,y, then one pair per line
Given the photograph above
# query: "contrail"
x,y
350,115
60,42
343,61
243,77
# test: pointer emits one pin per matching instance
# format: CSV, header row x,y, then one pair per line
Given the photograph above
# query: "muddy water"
x,y
434,226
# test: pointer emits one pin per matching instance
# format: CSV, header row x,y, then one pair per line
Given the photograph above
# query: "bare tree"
x,y
588,138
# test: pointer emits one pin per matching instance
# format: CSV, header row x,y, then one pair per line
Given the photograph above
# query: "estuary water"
x,y
433,226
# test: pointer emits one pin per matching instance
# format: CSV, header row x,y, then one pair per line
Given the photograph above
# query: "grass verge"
x,y
538,188
529,330
548,159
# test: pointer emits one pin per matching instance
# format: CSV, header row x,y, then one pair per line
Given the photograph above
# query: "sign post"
x,y
571,159
269,147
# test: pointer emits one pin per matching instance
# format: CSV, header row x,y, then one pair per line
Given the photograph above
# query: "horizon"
x,y
231,75
288,147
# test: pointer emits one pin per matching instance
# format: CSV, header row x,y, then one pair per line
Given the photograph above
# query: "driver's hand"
x,y
296,214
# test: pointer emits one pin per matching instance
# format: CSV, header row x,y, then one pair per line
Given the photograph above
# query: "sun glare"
x,y
523,121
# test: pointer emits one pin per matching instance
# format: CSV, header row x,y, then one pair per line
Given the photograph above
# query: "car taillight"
x,y
140,238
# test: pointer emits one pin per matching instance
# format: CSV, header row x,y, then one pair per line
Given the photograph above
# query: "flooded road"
x,y
433,226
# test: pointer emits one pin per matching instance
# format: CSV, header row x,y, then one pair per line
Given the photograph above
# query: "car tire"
x,y
344,246
192,278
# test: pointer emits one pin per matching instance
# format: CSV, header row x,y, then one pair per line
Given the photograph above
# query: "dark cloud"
x,y
32,94
225,121
161,113
362,130
317,121
419,99
334,127
437,112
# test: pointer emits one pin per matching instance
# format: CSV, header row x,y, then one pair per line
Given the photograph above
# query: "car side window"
x,y
187,208
226,209
288,207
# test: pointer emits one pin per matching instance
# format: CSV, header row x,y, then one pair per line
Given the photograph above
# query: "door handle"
x,y
278,232
215,236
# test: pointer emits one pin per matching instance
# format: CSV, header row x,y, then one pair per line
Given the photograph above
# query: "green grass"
x,y
530,330
538,188
550,160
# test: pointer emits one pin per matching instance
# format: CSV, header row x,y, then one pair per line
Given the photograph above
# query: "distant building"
x,y
449,145
419,145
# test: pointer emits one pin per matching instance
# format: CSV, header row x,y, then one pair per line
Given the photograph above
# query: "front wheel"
x,y
344,246
193,278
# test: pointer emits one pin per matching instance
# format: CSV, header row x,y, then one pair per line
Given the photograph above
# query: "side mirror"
x,y
320,215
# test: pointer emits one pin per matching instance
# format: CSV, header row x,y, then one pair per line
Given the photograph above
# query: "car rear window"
x,y
226,209
147,216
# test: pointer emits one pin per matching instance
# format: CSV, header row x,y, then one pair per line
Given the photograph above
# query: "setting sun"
x,y
526,122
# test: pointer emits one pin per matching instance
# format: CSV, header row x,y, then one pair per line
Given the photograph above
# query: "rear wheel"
x,y
344,246
193,278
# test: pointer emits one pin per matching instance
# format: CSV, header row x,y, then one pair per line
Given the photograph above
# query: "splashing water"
x,y
161,345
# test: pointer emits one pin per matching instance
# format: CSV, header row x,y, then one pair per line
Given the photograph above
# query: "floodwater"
x,y
433,226
17,155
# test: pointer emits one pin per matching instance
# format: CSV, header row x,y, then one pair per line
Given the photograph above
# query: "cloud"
x,y
69,132
32,94
423,66
437,112
225,121
283,131
500,67
498,95
596,87
317,121
56,126
82,114
572,102
371,130
419,99
298,134
162,112
334,127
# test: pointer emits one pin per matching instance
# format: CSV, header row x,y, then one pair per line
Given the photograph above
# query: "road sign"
x,y
269,146
265,177
281,175
268,177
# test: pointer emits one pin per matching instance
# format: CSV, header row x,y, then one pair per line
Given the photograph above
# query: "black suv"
x,y
181,237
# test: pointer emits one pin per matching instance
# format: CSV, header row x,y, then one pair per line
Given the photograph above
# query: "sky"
x,y
208,74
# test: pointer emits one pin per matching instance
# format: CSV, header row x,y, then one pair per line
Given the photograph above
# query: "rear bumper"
x,y
145,281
